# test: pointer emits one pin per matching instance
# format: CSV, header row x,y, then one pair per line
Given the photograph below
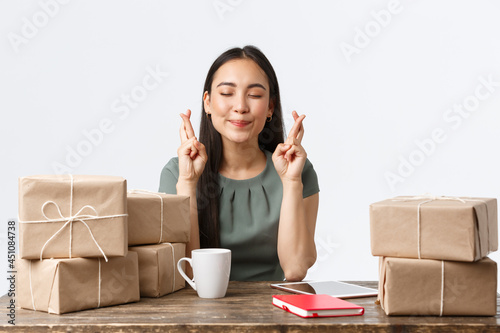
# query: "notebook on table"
x,y
311,306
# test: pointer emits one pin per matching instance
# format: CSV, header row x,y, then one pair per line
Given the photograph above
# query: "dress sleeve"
x,y
309,180
169,176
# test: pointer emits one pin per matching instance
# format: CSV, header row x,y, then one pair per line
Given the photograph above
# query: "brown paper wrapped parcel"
x,y
67,285
461,229
158,274
157,218
85,216
436,287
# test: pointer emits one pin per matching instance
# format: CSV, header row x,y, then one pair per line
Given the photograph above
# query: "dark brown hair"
x,y
208,190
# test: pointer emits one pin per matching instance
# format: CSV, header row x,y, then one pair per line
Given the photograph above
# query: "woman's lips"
x,y
239,123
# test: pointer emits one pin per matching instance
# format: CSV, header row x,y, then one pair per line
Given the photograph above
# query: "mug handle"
x,y
189,260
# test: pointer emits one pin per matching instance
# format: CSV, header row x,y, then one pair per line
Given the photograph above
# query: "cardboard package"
x,y
158,274
435,287
157,218
67,285
461,229
72,216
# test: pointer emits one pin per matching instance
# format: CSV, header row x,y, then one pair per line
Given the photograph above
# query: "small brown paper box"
x,y
158,274
461,229
74,215
67,285
435,287
157,218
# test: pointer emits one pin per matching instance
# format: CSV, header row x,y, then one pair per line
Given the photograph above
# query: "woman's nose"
x,y
241,105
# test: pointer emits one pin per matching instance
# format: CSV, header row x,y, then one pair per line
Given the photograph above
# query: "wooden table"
x,y
247,307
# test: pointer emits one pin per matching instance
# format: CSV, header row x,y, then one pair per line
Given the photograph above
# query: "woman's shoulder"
x,y
172,166
169,176
173,163
309,179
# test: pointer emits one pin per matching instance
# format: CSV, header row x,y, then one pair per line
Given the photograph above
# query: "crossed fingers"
x,y
297,131
186,131
188,138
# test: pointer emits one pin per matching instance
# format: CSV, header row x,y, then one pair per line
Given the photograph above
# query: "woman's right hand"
x,y
192,153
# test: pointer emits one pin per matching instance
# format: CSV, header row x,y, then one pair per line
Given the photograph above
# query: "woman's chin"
x,y
239,139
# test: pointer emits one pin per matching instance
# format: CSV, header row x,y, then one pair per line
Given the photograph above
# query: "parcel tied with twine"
x,y
67,285
158,274
155,218
65,216
430,227
437,287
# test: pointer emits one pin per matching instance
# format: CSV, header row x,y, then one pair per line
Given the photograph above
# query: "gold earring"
x,y
209,116
269,119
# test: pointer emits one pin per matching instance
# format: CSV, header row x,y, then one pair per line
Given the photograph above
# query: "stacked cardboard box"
x,y
74,237
73,244
159,227
434,255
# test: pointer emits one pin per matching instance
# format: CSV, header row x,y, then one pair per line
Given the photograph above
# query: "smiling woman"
x,y
261,205
241,86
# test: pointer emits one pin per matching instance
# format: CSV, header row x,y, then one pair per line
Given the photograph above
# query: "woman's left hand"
x,y
289,157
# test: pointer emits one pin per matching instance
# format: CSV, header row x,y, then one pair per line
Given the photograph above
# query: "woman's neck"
x,y
241,161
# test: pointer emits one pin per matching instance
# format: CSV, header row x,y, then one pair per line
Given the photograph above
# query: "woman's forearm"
x,y
189,189
296,248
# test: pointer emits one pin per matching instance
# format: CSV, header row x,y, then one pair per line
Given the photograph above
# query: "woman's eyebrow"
x,y
232,84
256,85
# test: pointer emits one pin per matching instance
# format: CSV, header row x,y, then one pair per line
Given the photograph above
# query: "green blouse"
x,y
249,216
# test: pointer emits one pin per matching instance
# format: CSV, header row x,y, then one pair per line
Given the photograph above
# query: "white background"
x,y
365,111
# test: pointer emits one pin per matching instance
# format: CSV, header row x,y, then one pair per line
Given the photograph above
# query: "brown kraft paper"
x,y
68,285
158,274
91,199
449,229
148,224
413,287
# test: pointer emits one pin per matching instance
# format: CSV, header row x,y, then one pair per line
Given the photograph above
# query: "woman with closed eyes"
x,y
251,190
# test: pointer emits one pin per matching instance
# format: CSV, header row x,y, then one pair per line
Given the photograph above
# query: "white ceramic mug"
x,y
211,269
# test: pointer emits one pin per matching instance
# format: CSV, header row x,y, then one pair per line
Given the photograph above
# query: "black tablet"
x,y
333,288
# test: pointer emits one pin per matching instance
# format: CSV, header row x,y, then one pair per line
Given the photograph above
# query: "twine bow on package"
x,y
74,236
69,216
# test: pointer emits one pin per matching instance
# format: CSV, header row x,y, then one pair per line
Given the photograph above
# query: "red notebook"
x,y
310,306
